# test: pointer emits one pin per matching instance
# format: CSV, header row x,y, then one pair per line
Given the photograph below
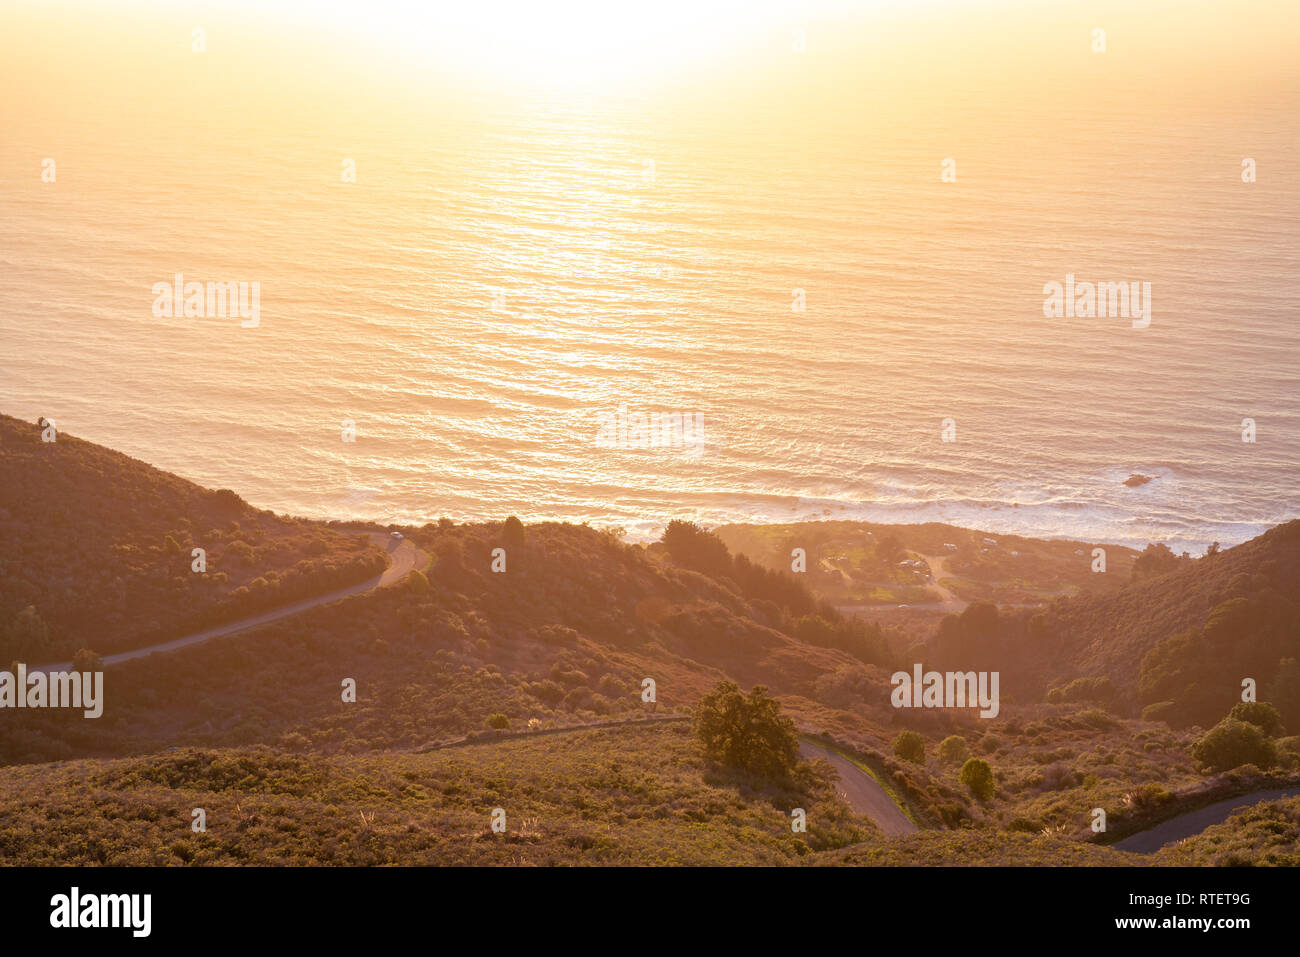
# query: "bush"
x,y
498,721
977,775
1288,751
953,749
910,746
1232,743
1148,796
1101,690
746,732
87,660
1259,713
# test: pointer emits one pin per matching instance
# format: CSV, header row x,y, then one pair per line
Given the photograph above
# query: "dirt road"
x,y
404,557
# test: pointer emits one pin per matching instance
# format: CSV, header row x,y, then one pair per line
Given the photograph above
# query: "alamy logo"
x,y
103,910
651,430
1087,300
214,300
58,689
950,689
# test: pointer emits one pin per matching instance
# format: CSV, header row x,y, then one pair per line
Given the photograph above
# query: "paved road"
x,y
1194,822
403,554
863,792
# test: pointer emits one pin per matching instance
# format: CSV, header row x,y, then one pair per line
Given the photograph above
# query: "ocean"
x,y
510,269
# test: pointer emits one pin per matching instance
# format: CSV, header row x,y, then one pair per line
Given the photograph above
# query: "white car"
x,y
395,535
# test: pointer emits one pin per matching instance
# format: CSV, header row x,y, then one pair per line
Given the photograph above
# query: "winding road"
x,y
403,555
862,792
1194,822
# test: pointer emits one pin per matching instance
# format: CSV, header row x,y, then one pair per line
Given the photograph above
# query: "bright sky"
x,y
567,41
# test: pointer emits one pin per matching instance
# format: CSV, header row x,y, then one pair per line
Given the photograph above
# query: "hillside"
x,y
636,796
1187,637
632,797
868,564
100,547
552,626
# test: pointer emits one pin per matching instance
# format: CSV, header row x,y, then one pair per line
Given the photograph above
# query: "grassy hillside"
x,y
1267,834
99,546
637,796
557,625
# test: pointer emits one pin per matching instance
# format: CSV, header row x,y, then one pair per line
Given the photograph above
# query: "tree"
x,y
746,732
1259,713
977,775
450,556
910,746
953,749
512,533
980,619
498,721
692,547
227,501
1156,559
1232,743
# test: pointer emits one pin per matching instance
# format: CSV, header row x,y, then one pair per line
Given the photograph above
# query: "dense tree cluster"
x,y
788,604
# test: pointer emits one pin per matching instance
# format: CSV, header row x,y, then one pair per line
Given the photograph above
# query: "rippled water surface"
x,y
504,271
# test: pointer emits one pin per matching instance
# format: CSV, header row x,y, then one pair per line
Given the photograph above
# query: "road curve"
x,y
1194,822
863,792
403,555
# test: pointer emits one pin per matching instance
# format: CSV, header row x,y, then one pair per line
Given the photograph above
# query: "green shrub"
x,y
1148,796
1232,743
1288,751
910,746
1259,713
498,721
977,775
1101,690
953,749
